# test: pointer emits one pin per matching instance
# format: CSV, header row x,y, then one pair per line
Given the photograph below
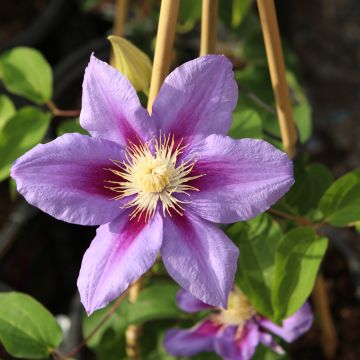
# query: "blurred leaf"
x,y
257,240
7,110
246,124
298,259
310,184
189,10
70,126
240,9
111,347
150,305
131,62
341,202
23,131
12,189
25,72
264,353
27,329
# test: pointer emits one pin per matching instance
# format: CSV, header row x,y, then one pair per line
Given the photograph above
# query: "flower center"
x,y
239,309
151,176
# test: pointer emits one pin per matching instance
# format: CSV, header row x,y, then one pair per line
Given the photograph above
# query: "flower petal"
x,y
292,327
189,303
190,342
242,178
200,257
232,347
267,340
110,106
121,252
66,178
197,98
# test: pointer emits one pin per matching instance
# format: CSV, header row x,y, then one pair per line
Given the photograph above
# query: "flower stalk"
x,y
208,27
163,48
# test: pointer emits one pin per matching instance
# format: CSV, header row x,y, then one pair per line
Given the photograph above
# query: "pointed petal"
x,y
242,178
189,303
292,327
200,257
197,98
190,342
110,106
66,178
232,347
120,253
267,340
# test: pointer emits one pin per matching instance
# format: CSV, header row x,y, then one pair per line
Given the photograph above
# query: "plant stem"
x,y
121,10
276,63
62,113
106,317
328,332
163,48
300,220
133,332
208,27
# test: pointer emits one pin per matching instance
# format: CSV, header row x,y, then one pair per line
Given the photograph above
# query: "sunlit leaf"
x,y
25,72
246,124
27,329
131,62
7,110
298,259
341,202
70,126
23,131
257,240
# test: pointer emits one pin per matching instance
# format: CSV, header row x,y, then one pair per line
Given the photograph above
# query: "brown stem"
x,y
208,27
59,112
133,332
108,314
298,219
322,307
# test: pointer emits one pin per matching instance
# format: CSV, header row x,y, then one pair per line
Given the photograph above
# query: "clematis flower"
x,y
156,184
234,333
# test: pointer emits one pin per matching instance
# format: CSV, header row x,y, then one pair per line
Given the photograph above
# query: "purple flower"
x,y
156,183
233,333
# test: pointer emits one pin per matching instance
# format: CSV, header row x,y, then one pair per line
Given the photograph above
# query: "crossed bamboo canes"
x,y
161,66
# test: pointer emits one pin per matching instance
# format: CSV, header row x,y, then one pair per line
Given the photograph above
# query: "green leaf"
x,y
190,10
341,202
264,353
70,126
7,110
310,184
246,124
151,306
27,329
257,240
240,9
25,72
297,261
23,131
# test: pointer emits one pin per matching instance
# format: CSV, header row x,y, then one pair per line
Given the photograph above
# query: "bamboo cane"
x,y
121,9
208,27
277,73
163,48
289,138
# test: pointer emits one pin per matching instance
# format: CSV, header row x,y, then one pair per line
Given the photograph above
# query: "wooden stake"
x,y
164,45
277,72
322,308
121,9
208,27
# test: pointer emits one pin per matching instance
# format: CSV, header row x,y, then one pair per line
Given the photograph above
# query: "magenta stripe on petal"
x,y
200,257
110,106
66,178
120,253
